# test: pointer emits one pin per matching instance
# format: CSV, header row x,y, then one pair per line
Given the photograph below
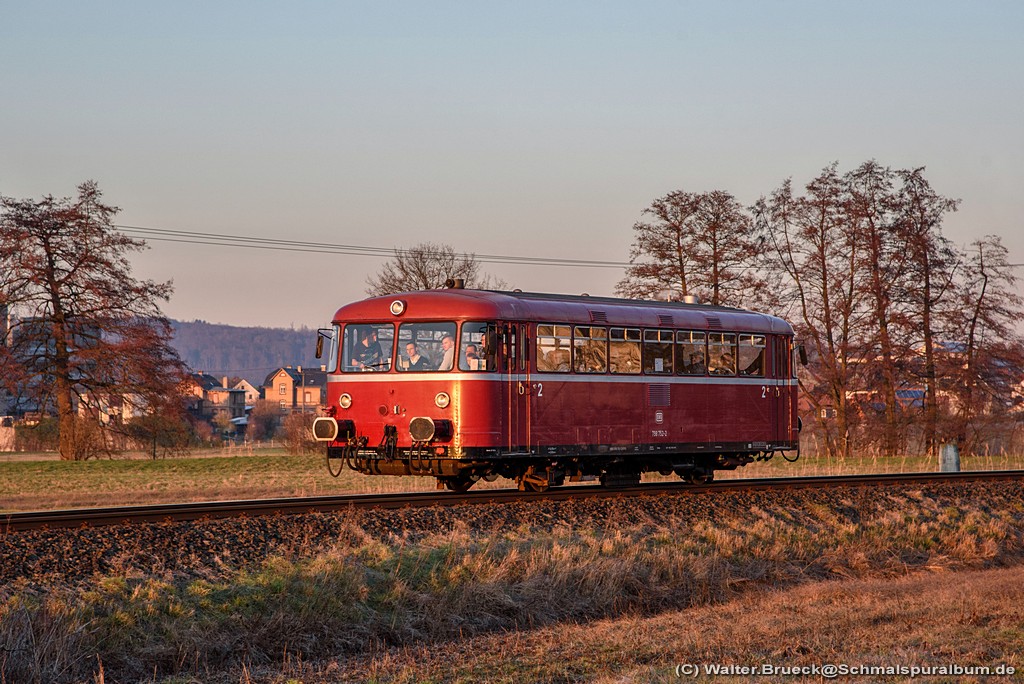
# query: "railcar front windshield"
x,y
368,347
426,346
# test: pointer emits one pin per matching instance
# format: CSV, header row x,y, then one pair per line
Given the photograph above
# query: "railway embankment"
x,y
185,598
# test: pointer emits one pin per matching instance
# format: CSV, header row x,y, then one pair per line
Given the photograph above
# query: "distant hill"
x,y
249,353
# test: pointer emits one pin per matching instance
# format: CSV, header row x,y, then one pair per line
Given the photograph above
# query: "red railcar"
x,y
465,384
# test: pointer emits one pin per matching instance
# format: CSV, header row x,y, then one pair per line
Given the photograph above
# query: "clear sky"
x,y
523,128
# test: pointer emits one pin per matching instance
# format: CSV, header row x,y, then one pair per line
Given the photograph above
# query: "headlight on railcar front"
x,y
423,429
325,429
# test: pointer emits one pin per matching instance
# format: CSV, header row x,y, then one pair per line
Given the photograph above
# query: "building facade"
x,y
296,390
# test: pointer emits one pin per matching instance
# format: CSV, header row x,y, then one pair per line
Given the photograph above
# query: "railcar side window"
x,y
368,347
478,347
553,345
658,352
524,349
332,355
691,353
624,350
426,346
792,357
509,345
752,354
722,353
590,349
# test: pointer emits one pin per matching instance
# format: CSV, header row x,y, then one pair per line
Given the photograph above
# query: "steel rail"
x,y
86,517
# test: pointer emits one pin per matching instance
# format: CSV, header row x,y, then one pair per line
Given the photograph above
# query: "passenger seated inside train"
x,y
558,360
726,365
414,360
448,361
591,357
472,358
754,367
695,365
624,357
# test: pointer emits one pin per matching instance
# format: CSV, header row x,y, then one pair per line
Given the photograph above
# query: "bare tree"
x,y
931,266
873,212
886,304
88,333
696,244
162,434
263,420
427,266
662,255
297,432
817,251
987,364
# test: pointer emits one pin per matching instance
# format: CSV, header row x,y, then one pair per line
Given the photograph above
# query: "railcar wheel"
x,y
458,484
700,476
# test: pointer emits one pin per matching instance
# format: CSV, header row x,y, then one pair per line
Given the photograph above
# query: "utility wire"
x,y
277,244
252,242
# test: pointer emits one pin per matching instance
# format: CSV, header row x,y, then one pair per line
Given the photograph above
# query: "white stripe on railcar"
x,y
562,377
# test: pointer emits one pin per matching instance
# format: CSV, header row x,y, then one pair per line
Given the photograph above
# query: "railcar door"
x,y
518,389
782,358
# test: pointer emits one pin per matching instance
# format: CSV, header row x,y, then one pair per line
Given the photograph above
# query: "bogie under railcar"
x,y
464,385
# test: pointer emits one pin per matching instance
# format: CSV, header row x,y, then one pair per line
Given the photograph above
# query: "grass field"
x,y
810,466
924,620
27,484
41,482
524,599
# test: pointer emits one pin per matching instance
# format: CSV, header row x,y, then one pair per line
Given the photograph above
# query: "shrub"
x,y
298,433
43,436
160,435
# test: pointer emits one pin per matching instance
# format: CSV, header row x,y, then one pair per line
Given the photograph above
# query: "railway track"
x,y
17,522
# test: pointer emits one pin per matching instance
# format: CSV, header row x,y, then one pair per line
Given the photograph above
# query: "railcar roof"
x,y
468,304
611,301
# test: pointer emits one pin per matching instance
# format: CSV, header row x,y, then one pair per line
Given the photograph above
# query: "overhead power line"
x,y
281,245
277,244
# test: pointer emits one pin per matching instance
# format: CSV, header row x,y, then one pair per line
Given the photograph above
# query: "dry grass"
x,y
364,593
825,466
969,618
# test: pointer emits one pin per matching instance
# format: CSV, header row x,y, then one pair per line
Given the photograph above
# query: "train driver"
x,y
368,355
448,344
